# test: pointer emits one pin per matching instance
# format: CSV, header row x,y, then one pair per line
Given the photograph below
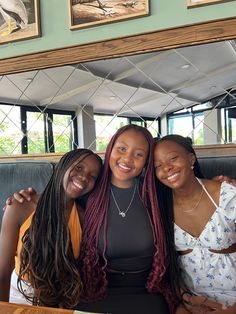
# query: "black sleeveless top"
x,y
130,239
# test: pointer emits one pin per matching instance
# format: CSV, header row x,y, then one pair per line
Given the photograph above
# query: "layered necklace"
x,y
123,213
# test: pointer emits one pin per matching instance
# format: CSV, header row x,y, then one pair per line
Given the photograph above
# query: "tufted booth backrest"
x,y
18,175
15,176
214,166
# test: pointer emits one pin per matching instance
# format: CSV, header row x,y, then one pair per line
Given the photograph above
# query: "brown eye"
x,y
122,149
78,168
139,155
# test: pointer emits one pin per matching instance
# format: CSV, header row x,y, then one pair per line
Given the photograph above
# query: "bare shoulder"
x,y
211,183
19,212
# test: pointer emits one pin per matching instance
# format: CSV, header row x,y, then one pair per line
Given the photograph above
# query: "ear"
x,y
192,159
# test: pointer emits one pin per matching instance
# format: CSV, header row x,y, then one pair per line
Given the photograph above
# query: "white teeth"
x,y
78,185
173,176
124,167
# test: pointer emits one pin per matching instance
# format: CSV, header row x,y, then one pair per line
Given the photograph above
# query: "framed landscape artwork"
x,y
87,13
19,20
197,3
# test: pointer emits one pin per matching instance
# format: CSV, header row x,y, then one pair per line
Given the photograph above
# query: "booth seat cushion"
x,y
15,176
18,175
214,166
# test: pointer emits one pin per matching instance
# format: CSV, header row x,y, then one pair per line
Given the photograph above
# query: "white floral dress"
x,y
204,272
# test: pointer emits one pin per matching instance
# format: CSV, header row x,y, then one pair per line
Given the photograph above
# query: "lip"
x,y
123,167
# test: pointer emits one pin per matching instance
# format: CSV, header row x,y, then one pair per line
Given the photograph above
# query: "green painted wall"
x,y
163,14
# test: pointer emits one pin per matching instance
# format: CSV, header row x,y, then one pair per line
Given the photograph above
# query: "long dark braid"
x,y
93,266
165,200
47,258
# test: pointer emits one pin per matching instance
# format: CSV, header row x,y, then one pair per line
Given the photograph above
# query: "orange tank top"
x,y
74,229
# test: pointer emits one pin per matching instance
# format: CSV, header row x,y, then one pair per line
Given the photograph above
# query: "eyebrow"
x,y
137,148
172,152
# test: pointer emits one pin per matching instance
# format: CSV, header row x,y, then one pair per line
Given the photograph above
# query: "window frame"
x,y
48,130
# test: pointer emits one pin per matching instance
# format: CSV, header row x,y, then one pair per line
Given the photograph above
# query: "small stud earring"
x,y
192,167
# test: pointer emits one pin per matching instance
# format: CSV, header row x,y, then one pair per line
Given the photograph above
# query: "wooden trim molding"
x,y
148,42
217,150
51,157
201,151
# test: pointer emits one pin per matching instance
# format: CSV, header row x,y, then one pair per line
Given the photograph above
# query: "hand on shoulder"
x,y
223,178
23,196
18,211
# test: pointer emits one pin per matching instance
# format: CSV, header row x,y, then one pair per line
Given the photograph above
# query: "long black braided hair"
x,y
47,258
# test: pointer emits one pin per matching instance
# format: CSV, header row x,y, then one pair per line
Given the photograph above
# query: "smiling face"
x,y
128,158
81,176
172,164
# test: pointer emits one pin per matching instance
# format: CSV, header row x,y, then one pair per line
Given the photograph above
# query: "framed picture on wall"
x,y
196,3
87,13
19,20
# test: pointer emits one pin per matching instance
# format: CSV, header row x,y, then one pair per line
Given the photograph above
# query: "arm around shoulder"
x,y
223,178
23,196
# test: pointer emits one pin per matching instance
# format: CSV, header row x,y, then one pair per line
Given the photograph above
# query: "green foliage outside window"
x,y
10,135
106,126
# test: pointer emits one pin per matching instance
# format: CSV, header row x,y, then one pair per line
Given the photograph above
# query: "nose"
x,y
167,166
127,157
83,177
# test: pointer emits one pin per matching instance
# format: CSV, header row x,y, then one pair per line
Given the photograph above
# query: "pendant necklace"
x,y
123,213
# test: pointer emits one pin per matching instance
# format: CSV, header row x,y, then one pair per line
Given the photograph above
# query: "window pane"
x,y
233,127
62,133
139,123
224,139
198,130
35,132
175,125
228,128
152,127
106,126
10,130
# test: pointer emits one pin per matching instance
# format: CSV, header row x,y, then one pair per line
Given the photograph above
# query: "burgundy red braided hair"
x,y
94,266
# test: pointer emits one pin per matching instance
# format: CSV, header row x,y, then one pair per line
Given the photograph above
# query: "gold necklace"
x,y
195,206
